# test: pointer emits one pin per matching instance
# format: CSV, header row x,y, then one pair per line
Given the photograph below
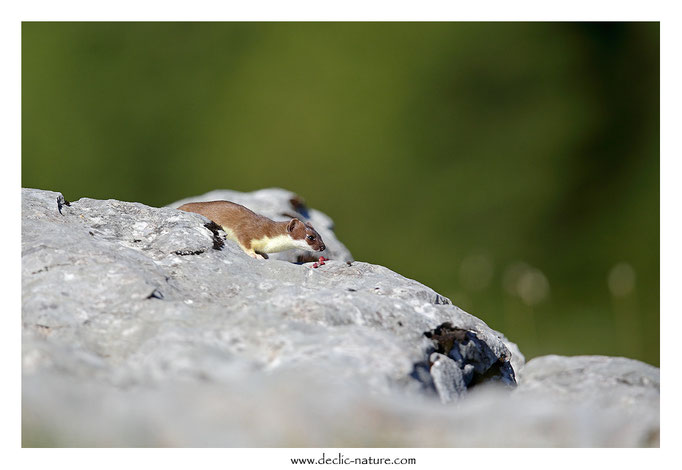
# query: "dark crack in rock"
x,y
187,252
214,228
61,202
474,358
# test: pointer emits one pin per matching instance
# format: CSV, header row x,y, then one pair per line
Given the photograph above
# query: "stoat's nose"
x,y
322,247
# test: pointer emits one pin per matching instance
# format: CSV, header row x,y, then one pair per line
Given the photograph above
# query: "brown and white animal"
x,y
257,235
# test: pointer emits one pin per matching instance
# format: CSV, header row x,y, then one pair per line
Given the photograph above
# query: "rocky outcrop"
x,y
145,327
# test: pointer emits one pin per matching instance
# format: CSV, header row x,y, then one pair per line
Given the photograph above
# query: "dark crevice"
x,y
305,258
218,242
61,202
461,361
421,372
187,252
298,204
47,268
156,294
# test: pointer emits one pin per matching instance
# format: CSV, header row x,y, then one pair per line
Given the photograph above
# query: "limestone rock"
x,y
625,388
143,327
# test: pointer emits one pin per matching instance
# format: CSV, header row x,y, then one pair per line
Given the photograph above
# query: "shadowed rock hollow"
x,y
144,327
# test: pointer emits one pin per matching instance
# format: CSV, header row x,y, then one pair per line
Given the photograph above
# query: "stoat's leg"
x,y
253,254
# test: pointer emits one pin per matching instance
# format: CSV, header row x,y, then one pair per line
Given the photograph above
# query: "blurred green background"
x,y
513,167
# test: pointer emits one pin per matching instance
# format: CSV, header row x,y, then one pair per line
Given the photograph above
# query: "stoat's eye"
x,y
310,237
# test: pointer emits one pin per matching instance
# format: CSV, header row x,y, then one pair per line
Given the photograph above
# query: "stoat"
x,y
256,234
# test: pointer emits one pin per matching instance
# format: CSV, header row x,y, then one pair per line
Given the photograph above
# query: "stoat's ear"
x,y
292,224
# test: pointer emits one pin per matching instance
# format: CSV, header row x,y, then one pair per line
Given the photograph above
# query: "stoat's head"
x,y
305,235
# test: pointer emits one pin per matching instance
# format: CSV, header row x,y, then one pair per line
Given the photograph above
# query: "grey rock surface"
x,y
617,385
140,329
449,379
613,401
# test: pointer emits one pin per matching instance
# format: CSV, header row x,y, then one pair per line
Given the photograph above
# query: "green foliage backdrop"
x,y
513,167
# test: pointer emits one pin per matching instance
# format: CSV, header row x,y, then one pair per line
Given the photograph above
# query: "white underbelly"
x,y
273,245
229,234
